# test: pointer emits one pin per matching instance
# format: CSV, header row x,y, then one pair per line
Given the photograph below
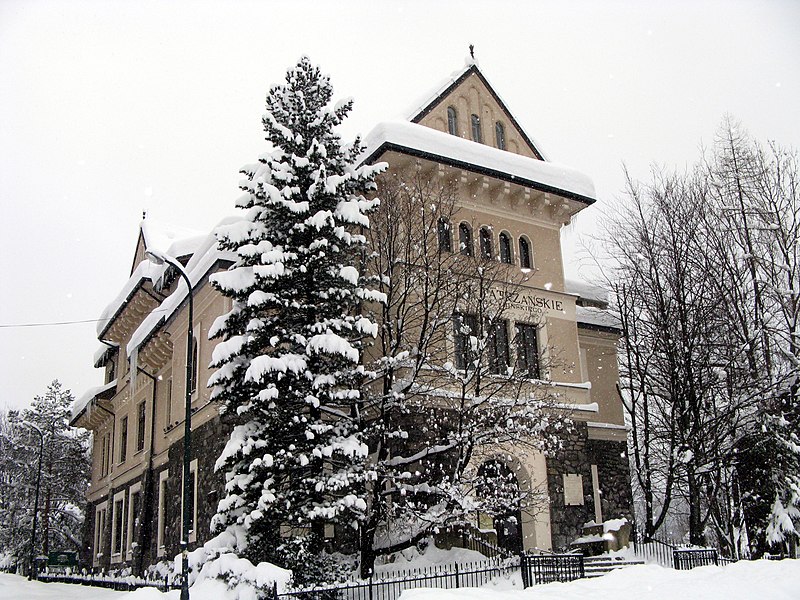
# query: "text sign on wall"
x,y
531,303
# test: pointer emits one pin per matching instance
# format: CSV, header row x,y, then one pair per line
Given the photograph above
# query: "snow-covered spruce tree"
x,y
65,474
288,364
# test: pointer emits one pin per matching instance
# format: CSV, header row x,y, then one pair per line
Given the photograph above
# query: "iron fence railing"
x,y
121,584
689,558
547,568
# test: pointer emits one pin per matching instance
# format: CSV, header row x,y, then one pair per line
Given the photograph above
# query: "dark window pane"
x,y
123,440
500,135
445,239
528,351
505,249
477,135
486,243
498,348
465,239
524,254
452,121
194,367
464,326
140,420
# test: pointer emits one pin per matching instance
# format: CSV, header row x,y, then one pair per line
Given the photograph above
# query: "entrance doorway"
x,y
499,489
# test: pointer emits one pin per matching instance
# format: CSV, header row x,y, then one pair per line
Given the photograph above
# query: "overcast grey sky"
x,y
111,108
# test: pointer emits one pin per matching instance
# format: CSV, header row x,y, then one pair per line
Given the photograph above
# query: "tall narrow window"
x,y
123,440
464,328
443,231
505,248
140,422
118,524
99,531
524,254
192,485
465,239
110,372
103,456
134,503
500,135
452,121
486,242
528,351
498,348
477,135
194,367
162,512
168,419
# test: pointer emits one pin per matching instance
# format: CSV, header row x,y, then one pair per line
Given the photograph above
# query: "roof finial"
x,y
472,51
144,215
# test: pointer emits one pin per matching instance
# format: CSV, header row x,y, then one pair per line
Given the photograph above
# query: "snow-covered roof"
x,y
425,142
424,103
81,403
144,271
203,259
170,239
596,317
586,290
100,353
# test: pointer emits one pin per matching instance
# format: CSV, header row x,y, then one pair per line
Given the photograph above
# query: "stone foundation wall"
x,y
613,471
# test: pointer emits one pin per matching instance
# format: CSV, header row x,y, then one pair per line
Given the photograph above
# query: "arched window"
x,y
486,243
452,121
505,248
465,239
500,135
194,367
524,254
477,136
443,232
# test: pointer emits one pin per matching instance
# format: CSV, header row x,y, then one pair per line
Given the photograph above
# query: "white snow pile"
x,y
443,145
744,580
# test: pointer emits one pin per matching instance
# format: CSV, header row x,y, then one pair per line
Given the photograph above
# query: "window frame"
x,y
485,242
141,425
461,347
123,440
505,248
161,523
500,135
477,132
100,517
525,255
132,518
195,366
444,234
452,120
527,351
499,353
118,535
193,473
465,243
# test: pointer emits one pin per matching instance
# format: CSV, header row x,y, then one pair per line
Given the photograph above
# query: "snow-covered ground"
x,y
760,580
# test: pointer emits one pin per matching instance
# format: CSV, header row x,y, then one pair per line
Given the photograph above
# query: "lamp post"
x,y
32,566
160,258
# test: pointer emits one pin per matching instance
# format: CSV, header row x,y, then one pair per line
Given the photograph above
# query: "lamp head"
x,y
155,257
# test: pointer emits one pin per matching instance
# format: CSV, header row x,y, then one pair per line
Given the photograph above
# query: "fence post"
x,y
275,590
457,584
370,585
523,566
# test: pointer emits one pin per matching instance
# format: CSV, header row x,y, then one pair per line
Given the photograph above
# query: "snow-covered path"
x,y
759,580
756,580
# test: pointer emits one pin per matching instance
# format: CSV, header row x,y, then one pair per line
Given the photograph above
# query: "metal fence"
x,y
544,568
685,559
121,584
390,587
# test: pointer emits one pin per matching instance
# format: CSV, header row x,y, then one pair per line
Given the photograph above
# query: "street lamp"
x,y
32,566
160,258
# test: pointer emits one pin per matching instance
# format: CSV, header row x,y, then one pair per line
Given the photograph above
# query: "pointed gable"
x,y
469,93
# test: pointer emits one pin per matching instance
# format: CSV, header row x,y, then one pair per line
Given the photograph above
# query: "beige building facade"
x,y
511,201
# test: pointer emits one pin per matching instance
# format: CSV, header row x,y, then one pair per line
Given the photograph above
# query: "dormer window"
x,y
477,136
500,135
452,121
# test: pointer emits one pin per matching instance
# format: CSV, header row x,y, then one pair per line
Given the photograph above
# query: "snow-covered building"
x,y
510,199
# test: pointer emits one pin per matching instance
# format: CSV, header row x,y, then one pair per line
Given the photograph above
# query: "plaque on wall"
x,y
573,490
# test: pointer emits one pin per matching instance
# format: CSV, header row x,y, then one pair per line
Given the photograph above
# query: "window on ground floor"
x,y
134,505
192,502
162,511
118,527
100,513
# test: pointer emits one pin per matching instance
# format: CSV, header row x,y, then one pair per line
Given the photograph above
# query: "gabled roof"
x,y
443,90
427,143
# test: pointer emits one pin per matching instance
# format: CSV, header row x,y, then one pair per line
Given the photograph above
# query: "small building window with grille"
x,y
505,248
498,348
140,421
465,239
500,135
528,350
477,136
452,121
464,328
443,231
524,253
486,242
